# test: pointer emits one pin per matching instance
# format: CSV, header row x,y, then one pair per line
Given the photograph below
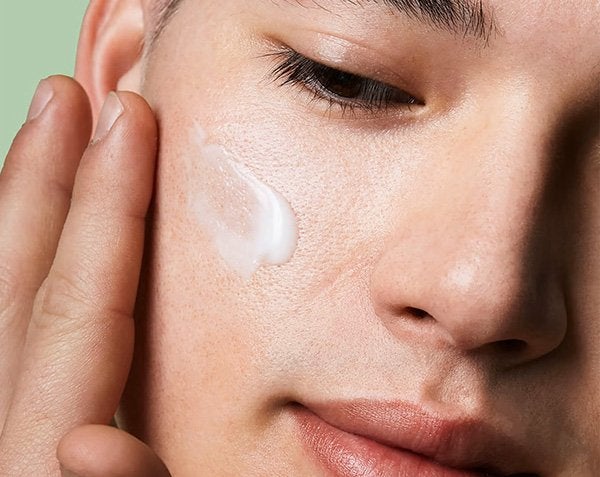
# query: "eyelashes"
x,y
338,88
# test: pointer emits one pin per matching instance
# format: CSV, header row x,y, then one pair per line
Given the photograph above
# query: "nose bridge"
x,y
501,229
509,159
501,204
483,270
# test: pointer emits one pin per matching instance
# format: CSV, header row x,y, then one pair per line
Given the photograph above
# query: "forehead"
x,y
526,21
561,34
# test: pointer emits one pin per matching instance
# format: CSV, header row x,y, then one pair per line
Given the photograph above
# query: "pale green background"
x,y
38,38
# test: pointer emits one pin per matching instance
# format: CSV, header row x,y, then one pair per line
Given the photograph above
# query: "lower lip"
x,y
349,455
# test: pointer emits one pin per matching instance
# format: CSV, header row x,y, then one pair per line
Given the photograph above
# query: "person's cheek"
x,y
338,183
248,223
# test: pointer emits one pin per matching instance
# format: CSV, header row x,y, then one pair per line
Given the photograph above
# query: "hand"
x,y
72,220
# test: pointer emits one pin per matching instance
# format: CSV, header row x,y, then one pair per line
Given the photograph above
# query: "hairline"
x,y
165,10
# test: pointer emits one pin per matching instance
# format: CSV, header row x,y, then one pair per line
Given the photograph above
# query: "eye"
x,y
341,88
344,85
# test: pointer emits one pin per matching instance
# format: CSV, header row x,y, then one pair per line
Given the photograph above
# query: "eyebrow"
x,y
465,17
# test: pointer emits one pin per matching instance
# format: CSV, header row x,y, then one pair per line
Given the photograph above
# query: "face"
x,y
367,220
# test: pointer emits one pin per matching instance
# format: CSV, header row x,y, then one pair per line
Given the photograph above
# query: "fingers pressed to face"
x,y
35,195
80,338
102,451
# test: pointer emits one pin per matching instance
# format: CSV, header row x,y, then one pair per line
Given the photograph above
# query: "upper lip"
x,y
462,442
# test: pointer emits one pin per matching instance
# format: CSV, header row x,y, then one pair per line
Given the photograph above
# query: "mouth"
x,y
385,439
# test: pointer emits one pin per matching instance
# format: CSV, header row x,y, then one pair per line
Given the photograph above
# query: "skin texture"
x,y
481,210
447,253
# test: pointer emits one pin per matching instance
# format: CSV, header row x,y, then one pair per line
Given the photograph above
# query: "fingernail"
x,y
111,111
41,98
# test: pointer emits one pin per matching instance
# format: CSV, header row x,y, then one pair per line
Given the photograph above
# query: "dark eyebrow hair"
x,y
466,17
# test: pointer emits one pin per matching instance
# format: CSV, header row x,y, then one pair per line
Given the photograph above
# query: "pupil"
x,y
342,84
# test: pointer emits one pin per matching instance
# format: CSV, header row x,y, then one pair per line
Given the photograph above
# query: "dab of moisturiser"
x,y
250,223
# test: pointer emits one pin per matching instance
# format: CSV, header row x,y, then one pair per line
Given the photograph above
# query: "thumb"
x,y
104,451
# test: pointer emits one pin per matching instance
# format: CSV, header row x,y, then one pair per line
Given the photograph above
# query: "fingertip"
x,y
104,451
127,121
72,451
144,120
59,108
53,138
70,101
124,151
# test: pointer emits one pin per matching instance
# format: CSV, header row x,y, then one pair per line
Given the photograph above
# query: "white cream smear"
x,y
250,224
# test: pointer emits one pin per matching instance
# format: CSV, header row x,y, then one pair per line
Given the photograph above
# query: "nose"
x,y
478,270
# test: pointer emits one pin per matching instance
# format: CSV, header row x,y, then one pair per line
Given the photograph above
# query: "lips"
x,y
363,438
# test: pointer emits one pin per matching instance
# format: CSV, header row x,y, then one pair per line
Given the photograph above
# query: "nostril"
x,y
510,346
418,313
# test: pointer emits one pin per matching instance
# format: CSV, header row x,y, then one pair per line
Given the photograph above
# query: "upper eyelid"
x,y
285,52
291,59
358,76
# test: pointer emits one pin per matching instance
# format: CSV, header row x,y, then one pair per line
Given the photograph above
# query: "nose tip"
x,y
511,310
512,314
